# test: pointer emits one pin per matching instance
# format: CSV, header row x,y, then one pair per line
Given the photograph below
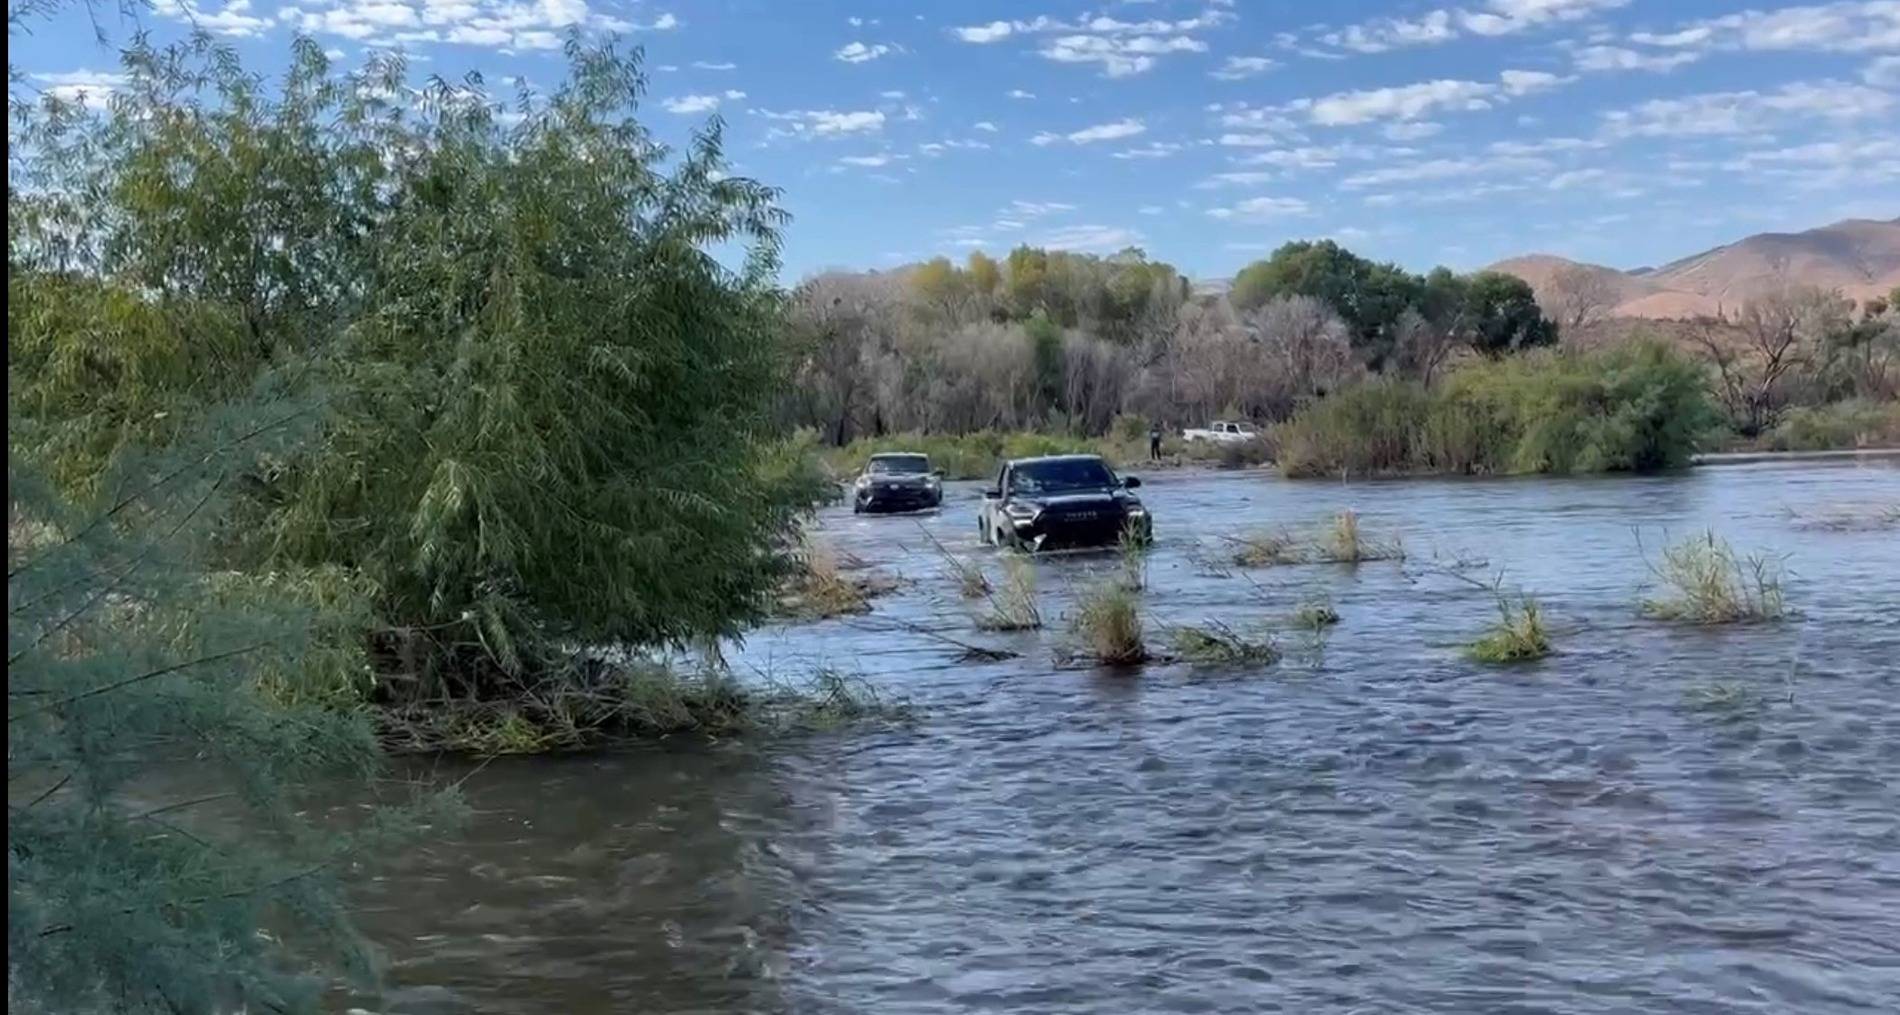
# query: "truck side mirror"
x,y
1131,482
992,494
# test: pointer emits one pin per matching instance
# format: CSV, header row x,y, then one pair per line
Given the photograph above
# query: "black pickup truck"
x,y
1062,502
898,481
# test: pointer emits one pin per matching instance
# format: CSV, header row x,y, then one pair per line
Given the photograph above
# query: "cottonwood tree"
x,y
1577,296
1308,350
1757,355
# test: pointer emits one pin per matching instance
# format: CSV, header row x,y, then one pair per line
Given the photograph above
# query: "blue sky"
x,y
1625,132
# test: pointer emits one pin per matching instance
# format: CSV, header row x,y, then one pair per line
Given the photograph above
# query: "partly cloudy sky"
x,y
1626,132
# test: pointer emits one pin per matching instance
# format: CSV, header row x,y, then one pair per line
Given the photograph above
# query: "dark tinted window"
x,y
900,463
1061,474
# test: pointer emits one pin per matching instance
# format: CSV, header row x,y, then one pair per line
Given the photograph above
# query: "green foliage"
x,y
1013,607
1706,582
1518,636
1636,407
1216,644
546,415
1045,343
1491,312
159,856
1851,423
1369,429
1502,314
1108,622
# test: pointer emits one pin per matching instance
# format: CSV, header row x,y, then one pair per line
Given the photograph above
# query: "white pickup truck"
x,y
1222,433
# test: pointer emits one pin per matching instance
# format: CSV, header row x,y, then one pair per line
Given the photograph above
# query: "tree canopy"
x,y
1485,310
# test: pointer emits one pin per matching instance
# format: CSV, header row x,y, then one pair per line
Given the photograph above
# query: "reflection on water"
x,y
1384,827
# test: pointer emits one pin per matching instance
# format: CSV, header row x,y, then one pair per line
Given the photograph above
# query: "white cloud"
x,y
984,125
1576,178
1017,93
1883,72
1411,131
1615,58
505,24
1311,157
1152,150
1090,238
1441,169
824,123
234,19
1415,101
858,52
1862,26
90,88
708,65
1262,209
868,160
1529,82
1391,33
1035,209
1542,146
1492,18
1113,131
1120,48
1747,112
1405,102
688,104
1119,57
1244,178
1150,209
995,31
1239,67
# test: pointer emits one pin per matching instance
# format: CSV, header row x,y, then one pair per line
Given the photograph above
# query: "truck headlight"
x,y
1020,513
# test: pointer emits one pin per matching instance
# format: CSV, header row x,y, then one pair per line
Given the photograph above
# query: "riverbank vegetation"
x,y
1349,366
341,411
1634,407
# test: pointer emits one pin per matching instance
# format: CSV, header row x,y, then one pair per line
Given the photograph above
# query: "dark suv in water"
x,y
1060,502
897,482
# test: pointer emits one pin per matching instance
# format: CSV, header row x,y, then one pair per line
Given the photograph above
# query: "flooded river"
x,y
1377,825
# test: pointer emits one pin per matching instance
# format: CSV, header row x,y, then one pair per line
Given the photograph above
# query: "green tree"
x,y
1045,343
1502,315
156,821
546,418
942,290
984,274
1370,296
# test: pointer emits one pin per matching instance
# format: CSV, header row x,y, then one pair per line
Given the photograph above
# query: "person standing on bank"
x,y
1154,442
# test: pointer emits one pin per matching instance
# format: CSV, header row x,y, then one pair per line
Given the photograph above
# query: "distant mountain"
x,y
1860,257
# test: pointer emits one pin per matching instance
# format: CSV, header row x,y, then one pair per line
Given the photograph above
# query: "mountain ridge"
x,y
1859,257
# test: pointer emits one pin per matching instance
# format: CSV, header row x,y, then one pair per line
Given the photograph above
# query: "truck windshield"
x,y
900,463
1058,475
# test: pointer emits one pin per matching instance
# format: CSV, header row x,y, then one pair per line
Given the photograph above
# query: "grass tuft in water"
x,y
1866,517
1134,558
1706,582
1518,636
1346,544
1266,549
821,589
1013,607
1109,626
1216,644
1720,697
1316,613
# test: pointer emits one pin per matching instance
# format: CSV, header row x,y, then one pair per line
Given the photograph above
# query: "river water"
x,y
1371,825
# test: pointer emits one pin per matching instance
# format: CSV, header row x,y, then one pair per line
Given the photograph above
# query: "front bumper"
x,y
899,498
1094,529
